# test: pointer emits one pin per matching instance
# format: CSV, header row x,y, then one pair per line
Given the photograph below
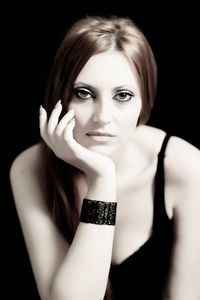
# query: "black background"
x,y
31,34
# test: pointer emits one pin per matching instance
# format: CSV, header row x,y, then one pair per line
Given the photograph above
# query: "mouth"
x,y
98,133
100,136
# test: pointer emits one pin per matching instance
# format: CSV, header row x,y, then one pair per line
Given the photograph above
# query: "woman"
x,y
109,206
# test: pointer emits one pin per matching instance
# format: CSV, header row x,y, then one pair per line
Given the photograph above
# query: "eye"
x,y
83,93
124,96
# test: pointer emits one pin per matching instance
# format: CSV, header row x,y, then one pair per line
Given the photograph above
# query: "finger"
x,y
53,120
64,122
68,131
43,121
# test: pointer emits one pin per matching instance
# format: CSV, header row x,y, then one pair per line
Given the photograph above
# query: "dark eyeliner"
x,y
131,94
79,90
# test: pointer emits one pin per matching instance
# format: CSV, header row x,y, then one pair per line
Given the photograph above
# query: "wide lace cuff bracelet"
x,y
98,212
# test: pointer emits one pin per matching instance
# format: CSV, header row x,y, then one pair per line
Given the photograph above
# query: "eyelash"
x,y
77,93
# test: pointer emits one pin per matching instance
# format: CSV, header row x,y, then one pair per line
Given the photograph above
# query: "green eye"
x,y
83,94
124,96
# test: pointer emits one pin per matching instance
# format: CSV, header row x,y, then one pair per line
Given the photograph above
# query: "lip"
x,y
98,133
101,137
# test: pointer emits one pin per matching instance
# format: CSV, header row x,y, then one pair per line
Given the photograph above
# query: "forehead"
x,y
108,68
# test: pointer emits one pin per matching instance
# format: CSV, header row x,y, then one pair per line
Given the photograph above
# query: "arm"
x,y
78,271
62,271
183,164
84,271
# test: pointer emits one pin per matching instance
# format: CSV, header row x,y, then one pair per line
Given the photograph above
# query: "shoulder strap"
x,y
159,195
163,147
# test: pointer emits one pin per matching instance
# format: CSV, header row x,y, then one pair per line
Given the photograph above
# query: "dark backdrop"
x,y
31,34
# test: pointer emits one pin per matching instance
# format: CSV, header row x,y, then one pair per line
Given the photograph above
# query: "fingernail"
x,y
40,110
58,103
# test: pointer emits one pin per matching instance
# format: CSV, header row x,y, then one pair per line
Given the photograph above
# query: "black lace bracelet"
x,y
98,212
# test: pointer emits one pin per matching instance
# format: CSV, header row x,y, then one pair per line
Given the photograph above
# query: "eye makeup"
x,y
83,93
121,95
124,96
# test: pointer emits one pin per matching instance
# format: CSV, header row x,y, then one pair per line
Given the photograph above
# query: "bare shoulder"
x,y
30,157
181,167
150,139
182,160
27,173
181,157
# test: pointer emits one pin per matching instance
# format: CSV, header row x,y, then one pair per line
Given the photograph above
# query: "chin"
x,y
104,150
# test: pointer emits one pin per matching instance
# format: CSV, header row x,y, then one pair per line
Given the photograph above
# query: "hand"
x,y
59,137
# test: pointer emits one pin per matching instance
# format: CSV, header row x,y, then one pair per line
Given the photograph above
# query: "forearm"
x,y
84,271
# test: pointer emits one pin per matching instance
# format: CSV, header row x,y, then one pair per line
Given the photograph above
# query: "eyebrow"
x,y
121,87
82,84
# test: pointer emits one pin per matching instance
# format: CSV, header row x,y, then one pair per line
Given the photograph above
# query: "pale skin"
x,y
120,169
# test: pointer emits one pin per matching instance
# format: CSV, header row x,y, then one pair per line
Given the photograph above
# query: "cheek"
x,y
82,118
131,119
80,125
81,114
128,125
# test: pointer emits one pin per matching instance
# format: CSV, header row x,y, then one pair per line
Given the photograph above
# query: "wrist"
x,y
106,171
98,212
101,168
103,187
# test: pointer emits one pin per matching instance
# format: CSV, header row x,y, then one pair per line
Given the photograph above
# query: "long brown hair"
x,y
88,36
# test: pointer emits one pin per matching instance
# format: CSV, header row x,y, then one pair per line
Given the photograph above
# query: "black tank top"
x,y
143,275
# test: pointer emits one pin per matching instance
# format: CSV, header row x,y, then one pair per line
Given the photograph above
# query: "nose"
x,y
102,114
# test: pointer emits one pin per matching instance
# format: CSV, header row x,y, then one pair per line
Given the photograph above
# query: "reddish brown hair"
x,y
92,35
87,37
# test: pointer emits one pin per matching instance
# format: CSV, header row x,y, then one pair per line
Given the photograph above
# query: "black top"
x,y
143,274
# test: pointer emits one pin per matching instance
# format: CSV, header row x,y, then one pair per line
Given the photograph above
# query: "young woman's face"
x,y
107,103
